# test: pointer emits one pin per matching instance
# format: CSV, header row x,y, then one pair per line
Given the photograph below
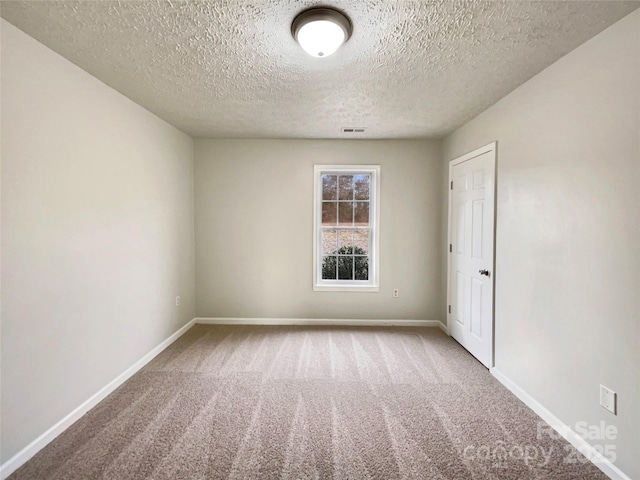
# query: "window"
x,y
345,247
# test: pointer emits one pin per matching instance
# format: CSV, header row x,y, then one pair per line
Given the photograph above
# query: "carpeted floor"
x,y
247,402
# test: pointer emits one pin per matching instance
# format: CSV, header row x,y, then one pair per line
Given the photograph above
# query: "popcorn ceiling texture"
x,y
230,68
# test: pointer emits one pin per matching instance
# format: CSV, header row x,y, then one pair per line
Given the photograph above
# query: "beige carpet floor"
x,y
247,402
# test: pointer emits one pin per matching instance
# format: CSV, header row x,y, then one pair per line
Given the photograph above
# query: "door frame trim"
x,y
491,147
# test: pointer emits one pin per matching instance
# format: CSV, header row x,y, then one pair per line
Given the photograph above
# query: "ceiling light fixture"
x,y
321,31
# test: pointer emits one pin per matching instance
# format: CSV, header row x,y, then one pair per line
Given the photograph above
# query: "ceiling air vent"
x,y
353,129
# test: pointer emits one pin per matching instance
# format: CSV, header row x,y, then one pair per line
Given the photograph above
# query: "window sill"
x,y
347,288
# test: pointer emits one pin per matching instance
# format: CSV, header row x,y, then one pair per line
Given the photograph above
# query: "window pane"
x,y
362,186
362,268
361,242
345,268
329,210
346,230
345,213
329,238
345,187
329,187
362,214
328,268
345,241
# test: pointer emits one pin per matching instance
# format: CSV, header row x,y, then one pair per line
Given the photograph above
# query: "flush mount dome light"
x,y
321,31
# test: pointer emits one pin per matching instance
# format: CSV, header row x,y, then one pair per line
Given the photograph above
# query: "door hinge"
x,y
451,184
449,308
450,248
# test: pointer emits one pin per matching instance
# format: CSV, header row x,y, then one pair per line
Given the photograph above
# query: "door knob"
x,y
484,272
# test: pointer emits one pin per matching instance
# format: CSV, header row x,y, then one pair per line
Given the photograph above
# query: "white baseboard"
x,y
563,429
39,443
322,321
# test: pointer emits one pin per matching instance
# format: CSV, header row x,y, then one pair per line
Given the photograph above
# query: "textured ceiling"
x,y
230,68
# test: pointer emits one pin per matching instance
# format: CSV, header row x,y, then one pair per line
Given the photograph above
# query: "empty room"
x,y
378,239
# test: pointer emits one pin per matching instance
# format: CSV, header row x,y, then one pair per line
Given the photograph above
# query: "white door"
x,y
471,239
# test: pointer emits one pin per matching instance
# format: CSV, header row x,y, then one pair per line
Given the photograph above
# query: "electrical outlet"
x,y
608,399
177,301
396,294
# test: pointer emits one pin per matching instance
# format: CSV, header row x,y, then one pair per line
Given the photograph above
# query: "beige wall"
x,y
97,236
568,230
254,231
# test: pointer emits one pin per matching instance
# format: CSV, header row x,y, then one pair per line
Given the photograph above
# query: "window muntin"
x,y
345,253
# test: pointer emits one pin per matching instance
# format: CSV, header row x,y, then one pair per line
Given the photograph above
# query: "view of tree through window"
x,y
346,227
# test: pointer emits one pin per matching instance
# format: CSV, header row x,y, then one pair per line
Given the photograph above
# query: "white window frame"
x,y
371,285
